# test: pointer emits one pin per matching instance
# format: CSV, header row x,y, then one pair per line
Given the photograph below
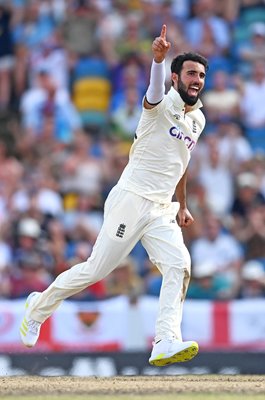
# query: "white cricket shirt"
x,y
161,150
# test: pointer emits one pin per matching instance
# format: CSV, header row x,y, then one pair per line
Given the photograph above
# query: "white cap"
x,y
203,270
29,227
253,270
247,179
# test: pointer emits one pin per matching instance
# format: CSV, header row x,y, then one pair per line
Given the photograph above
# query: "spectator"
x,y
247,196
249,12
253,280
82,172
124,280
11,171
129,73
222,101
112,23
216,177
252,107
205,19
253,49
206,283
134,39
56,245
5,265
82,218
47,101
117,158
235,150
126,116
48,200
257,165
20,72
79,27
50,56
5,252
220,249
37,195
28,231
153,279
6,55
251,233
35,25
30,275
31,264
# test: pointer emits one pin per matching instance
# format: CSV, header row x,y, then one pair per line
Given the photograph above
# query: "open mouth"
x,y
193,91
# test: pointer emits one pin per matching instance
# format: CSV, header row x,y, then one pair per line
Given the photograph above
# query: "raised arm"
x,y
156,88
184,216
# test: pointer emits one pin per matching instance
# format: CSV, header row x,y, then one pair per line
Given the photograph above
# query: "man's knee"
x,y
182,260
178,259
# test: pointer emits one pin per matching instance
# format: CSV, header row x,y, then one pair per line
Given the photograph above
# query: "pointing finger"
x,y
163,32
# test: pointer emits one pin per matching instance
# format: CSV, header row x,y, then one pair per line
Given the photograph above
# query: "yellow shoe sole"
x,y
182,356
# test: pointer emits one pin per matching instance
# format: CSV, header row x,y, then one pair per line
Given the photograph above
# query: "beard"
x,y
190,100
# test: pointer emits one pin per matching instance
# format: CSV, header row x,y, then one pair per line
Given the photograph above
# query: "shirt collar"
x,y
177,100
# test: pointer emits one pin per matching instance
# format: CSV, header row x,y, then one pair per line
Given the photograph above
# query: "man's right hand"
x,y
160,46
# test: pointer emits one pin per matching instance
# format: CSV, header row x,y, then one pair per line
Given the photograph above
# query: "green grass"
x,y
176,396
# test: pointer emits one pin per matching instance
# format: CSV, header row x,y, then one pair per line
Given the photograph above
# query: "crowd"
x,y
72,77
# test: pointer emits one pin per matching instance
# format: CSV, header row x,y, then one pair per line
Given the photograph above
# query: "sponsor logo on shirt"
x,y
175,132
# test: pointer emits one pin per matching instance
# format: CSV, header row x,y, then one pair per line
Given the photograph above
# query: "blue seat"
x,y
256,138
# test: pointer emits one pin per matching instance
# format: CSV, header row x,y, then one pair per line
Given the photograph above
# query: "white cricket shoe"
x,y
169,351
29,329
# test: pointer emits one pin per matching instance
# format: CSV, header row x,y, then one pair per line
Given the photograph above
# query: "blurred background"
x,y
72,78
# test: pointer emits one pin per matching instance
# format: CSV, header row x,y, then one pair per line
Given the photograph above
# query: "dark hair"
x,y
177,62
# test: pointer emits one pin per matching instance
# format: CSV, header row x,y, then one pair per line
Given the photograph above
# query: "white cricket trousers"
x,y
129,218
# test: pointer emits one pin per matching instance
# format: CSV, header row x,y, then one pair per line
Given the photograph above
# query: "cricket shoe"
x,y
29,329
169,351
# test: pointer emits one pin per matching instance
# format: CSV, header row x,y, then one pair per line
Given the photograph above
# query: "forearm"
x,y
156,88
181,191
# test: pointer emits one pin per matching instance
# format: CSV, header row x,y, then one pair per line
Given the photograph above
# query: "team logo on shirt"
x,y
121,230
194,127
177,116
175,132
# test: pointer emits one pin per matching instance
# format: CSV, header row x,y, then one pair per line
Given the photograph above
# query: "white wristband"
x,y
156,89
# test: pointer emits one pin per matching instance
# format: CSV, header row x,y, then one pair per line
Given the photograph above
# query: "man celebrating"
x,y
140,206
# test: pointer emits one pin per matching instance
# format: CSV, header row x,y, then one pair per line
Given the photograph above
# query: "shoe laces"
x,y
34,326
